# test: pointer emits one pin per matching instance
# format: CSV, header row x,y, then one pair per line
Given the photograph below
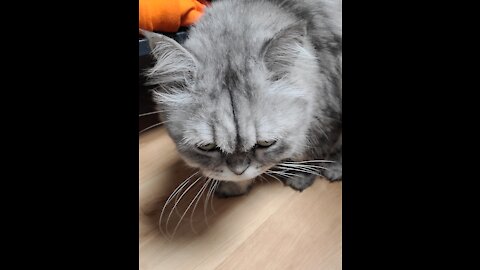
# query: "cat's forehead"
x,y
227,73
223,89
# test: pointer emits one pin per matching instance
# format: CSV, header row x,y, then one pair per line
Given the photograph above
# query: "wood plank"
x,y
272,227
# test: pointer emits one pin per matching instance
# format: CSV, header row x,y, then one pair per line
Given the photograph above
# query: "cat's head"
x,y
235,110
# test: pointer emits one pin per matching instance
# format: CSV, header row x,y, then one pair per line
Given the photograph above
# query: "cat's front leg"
x,y
230,189
300,181
333,172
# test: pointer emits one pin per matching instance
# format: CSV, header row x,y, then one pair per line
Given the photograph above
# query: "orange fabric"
x,y
169,15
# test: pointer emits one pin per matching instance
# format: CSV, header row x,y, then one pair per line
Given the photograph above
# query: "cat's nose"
x,y
238,164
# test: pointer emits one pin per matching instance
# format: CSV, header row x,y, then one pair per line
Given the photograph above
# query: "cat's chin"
x,y
237,181
225,175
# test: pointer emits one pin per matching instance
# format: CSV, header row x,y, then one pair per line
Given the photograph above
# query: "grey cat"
x,y
256,88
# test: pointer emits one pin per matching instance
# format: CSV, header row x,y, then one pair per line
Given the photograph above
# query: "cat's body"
x,y
256,86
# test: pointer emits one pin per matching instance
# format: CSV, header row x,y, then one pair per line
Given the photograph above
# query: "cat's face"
x,y
232,134
236,117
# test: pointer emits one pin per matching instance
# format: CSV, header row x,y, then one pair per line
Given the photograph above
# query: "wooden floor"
x,y
273,227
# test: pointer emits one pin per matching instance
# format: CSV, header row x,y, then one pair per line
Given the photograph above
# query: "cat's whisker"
x,y
150,113
307,166
152,126
156,112
170,198
297,169
215,186
313,168
176,209
310,161
261,178
296,166
283,173
264,179
205,205
274,177
302,167
205,185
176,203
186,210
269,180
302,171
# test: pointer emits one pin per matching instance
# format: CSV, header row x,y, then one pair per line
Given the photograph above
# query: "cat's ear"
x,y
175,66
281,51
156,41
153,38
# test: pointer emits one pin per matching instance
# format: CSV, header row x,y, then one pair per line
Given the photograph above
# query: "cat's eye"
x,y
207,147
265,143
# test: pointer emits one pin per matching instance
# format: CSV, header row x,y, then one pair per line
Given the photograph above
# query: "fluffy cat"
x,y
255,88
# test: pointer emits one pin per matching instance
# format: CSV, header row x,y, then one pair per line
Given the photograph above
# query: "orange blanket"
x,y
169,15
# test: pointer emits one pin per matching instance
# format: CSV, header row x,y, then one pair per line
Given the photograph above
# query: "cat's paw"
x,y
333,173
300,182
230,189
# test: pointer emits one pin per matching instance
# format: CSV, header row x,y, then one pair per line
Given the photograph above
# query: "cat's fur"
x,y
255,70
